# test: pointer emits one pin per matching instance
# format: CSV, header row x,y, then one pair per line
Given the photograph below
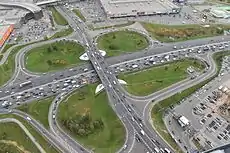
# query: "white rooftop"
x,y
184,120
130,7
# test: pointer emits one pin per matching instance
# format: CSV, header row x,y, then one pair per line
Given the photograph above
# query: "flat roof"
x,y
122,7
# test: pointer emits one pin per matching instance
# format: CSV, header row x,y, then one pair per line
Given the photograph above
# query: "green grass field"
x,y
54,56
79,14
120,42
145,82
173,33
38,109
159,108
62,33
82,102
58,18
19,138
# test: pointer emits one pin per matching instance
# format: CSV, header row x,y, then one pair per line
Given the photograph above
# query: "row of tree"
x,y
56,62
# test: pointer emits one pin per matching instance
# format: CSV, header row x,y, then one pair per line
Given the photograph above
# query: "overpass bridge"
x,y
35,11
47,2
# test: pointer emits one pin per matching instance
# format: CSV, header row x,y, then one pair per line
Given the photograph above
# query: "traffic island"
x,y
91,121
54,56
58,18
147,81
121,42
174,33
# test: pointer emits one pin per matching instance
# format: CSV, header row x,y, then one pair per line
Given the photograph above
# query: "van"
x,y
156,149
134,66
142,132
166,150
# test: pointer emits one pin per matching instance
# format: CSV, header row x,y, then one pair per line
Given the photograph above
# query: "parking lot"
x,y
33,30
207,125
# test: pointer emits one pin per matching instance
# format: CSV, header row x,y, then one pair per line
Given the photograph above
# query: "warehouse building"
x,y
5,31
132,8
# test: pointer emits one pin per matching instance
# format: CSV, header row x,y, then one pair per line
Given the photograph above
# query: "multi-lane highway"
x,y
136,124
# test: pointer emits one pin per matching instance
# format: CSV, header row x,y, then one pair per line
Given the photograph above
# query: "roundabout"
x,y
54,56
121,42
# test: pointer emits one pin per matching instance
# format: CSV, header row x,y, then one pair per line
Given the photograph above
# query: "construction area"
x,y
5,31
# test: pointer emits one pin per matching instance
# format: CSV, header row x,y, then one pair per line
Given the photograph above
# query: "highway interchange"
x,y
133,111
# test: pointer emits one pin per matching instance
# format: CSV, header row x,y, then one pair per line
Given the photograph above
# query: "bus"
x,y
25,84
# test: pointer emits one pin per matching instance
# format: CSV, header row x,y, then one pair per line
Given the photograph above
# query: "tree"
x,y
112,47
49,50
55,48
49,62
114,36
166,68
81,132
4,136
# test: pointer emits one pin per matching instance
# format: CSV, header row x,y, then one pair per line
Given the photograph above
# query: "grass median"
x,y
38,109
159,109
13,132
90,120
174,33
114,26
6,47
58,18
150,80
79,14
119,42
54,56
62,33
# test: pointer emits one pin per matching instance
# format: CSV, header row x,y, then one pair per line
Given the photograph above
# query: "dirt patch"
x,y
15,144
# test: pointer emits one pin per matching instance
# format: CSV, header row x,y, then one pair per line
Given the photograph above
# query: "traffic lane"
x,y
139,147
80,69
45,90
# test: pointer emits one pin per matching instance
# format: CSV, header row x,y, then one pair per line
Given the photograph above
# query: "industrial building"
x,y
132,8
5,31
